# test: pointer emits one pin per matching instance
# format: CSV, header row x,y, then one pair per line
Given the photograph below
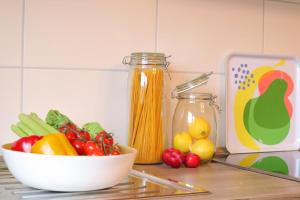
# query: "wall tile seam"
x,y
76,69
283,1
263,26
10,67
22,55
124,68
156,27
100,70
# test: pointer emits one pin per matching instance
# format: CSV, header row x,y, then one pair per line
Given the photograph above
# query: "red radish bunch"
x,y
175,158
192,160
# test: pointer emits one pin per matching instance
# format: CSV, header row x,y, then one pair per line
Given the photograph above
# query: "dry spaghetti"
x,y
146,108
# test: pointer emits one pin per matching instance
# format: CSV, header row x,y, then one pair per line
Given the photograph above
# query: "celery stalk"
x,y
18,131
38,120
35,127
25,128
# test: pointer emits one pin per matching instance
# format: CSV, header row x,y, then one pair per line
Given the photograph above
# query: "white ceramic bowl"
x,y
69,173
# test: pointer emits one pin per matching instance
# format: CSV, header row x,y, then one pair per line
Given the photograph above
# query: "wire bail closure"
x,y
126,60
213,102
148,58
166,67
199,81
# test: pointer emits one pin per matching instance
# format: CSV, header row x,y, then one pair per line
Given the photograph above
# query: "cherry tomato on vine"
x,y
103,133
79,146
84,135
115,153
99,138
108,149
116,150
71,136
108,140
71,126
92,149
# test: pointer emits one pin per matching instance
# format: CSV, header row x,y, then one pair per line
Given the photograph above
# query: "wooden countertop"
x,y
225,182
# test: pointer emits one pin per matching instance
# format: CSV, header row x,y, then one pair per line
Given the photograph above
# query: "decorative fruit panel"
x,y
262,103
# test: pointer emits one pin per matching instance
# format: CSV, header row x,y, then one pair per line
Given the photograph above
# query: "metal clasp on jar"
x,y
213,102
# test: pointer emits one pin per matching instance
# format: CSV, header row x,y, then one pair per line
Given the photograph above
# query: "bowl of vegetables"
x,y
61,156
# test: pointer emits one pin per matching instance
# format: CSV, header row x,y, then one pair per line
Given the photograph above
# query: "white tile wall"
x,y
282,22
10,32
10,102
198,34
87,33
84,96
73,50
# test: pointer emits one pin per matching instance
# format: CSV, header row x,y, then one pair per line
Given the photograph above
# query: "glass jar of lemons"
x,y
194,125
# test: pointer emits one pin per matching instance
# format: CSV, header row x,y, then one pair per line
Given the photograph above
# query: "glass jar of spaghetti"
x,y
147,134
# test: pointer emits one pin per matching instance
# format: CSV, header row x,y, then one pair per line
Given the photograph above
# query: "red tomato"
x,y
99,138
115,153
102,133
92,149
108,149
79,146
108,140
71,136
24,144
116,150
105,142
84,135
100,145
71,126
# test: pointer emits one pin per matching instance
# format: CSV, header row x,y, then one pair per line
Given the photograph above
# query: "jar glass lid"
x,y
187,86
195,95
145,58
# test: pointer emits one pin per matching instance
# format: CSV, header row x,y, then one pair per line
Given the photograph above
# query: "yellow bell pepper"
x,y
54,144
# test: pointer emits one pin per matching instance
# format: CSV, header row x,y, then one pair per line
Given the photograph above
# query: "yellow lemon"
x,y
199,128
204,148
182,141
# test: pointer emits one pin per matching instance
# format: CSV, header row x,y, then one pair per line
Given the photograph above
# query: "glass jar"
x,y
146,83
194,125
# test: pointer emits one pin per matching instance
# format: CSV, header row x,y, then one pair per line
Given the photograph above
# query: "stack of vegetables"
x,y
58,135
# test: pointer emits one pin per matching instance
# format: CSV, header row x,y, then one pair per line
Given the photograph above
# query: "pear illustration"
x,y
266,117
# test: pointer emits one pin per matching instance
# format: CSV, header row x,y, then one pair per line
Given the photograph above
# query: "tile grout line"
x,y
75,69
195,72
99,70
22,56
285,1
156,26
10,67
263,27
